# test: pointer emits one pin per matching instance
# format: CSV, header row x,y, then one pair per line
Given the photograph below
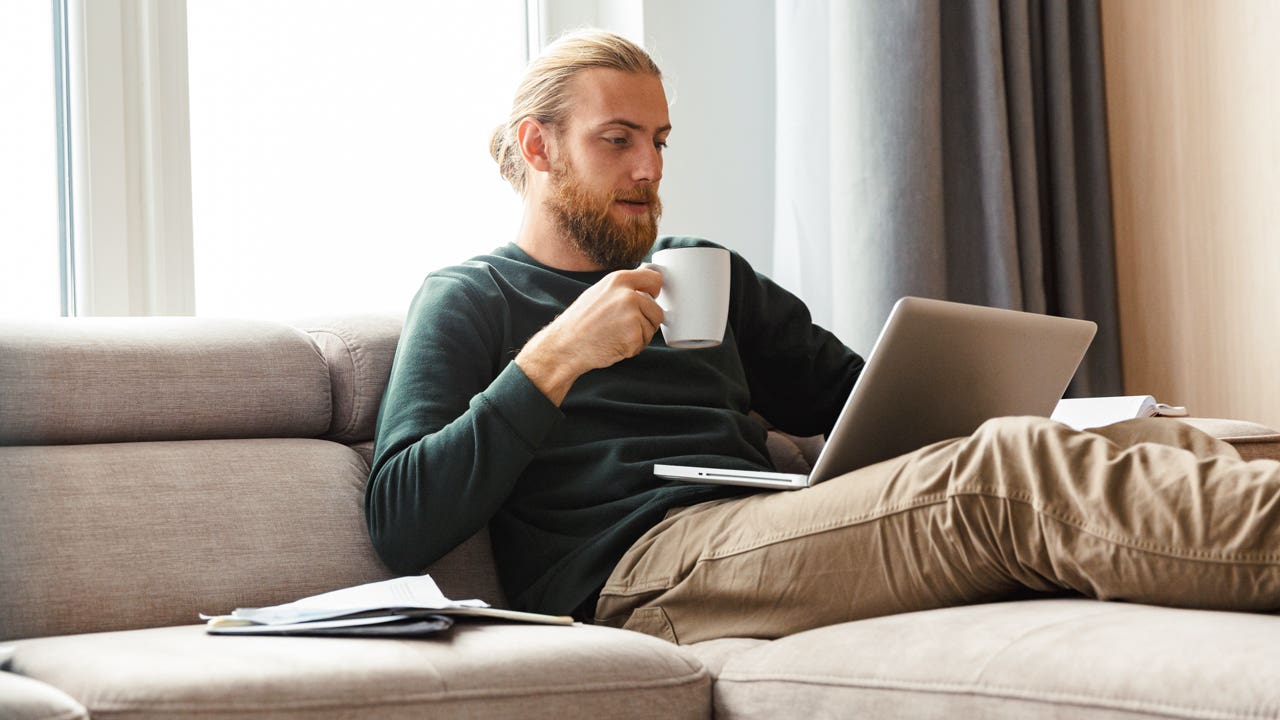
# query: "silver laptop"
x,y
937,371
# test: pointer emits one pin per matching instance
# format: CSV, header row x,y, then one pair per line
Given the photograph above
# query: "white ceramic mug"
x,y
694,296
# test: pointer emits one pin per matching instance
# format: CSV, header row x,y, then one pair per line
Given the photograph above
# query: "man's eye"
x,y
660,144
616,140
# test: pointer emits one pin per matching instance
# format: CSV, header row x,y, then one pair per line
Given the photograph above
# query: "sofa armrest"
x,y
1251,440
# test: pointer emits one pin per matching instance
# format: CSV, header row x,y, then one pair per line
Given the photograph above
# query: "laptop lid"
x,y
937,371
940,369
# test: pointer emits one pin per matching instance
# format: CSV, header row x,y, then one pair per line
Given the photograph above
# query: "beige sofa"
x,y
151,469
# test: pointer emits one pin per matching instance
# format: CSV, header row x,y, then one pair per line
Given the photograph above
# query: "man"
x,y
529,393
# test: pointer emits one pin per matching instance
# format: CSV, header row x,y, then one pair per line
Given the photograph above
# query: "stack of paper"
x,y
411,605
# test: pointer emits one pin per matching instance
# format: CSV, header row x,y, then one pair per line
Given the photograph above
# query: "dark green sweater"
x,y
464,438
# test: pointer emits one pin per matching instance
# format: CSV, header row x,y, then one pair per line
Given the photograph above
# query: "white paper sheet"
x,y
417,591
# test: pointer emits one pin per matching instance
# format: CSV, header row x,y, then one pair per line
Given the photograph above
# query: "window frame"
x,y
130,158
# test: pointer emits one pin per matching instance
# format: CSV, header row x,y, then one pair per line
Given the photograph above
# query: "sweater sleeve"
x,y
458,425
799,373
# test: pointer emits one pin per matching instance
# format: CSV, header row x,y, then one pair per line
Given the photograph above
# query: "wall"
x,y
717,57
1193,104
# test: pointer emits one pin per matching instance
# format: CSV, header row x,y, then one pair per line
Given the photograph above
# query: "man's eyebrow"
x,y
634,126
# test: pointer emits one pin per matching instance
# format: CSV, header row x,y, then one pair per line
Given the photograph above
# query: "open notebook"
x,y
938,370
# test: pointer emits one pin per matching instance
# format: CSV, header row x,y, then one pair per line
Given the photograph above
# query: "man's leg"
x,y
1023,503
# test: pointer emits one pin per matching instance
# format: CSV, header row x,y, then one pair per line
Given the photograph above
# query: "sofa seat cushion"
x,y
713,654
475,670
1027,659
22,698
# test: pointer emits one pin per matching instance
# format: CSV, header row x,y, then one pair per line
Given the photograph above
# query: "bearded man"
x,y
530,393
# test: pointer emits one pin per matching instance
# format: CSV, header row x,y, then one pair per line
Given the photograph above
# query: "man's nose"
x,y
648,165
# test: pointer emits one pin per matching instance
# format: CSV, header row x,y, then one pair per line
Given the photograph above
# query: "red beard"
x,y
586,218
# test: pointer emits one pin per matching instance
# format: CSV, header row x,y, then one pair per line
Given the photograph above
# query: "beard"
x,y
586,218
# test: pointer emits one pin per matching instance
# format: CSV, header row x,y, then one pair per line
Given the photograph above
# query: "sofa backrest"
x,y
102,380
151,469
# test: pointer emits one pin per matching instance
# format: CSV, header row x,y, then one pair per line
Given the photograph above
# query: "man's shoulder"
x,y
479,272
467,286
678,241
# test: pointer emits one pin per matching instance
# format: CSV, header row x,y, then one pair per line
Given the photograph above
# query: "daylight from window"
x,y
339,150
29,262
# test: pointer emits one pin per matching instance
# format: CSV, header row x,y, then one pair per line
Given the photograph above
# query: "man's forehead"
x,y
604,96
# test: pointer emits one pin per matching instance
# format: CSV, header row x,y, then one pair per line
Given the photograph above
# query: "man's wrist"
x,y
547,368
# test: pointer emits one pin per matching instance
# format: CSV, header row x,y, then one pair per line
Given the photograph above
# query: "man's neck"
x,y
543,240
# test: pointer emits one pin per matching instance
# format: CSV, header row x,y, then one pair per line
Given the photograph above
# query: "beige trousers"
x,y
1149,510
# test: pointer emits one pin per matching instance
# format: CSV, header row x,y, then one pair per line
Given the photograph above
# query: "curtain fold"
x,y
957,150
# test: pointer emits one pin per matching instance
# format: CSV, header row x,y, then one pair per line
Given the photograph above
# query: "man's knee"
x,y
1020,444
1020,427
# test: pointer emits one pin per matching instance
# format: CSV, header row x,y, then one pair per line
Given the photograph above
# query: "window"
x,y
339,148
30,264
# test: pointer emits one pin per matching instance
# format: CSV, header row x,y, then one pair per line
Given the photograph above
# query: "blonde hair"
x,y
543,93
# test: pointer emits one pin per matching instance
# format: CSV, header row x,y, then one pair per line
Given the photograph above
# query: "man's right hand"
x,y
613,320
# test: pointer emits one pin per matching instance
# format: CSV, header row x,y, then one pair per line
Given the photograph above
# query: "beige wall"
x,y
1193,102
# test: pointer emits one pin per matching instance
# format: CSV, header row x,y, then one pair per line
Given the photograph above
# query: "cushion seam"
x,y
1248,439
689,679
997,691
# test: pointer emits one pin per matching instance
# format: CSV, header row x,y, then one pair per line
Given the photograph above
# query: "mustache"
x,y
642,193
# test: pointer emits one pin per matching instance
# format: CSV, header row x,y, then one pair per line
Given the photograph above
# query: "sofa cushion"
x,y
1251,440
22,698
1027,659
468,571
359,351
713,654
99,537
474,671
91,380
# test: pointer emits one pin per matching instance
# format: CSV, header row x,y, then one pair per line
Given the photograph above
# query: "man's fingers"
x,y
643,279
650,308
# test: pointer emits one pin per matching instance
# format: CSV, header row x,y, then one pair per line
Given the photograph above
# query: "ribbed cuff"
x,y
522,405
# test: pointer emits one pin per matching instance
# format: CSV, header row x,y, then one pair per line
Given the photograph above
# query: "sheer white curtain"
x,y
859,212
953,149
802,204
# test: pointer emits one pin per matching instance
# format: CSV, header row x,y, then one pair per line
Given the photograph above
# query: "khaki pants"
x,y
1149,510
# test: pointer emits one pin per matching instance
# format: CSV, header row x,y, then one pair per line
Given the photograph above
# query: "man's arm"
x,y
613,320
459,424
799,373
455,430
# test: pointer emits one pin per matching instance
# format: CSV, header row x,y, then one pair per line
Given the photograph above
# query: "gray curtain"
x,y
946,148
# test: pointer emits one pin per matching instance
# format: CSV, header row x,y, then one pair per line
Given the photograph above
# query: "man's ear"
x,y
535,139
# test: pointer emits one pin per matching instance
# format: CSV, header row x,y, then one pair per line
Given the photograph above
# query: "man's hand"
x,y
613,320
